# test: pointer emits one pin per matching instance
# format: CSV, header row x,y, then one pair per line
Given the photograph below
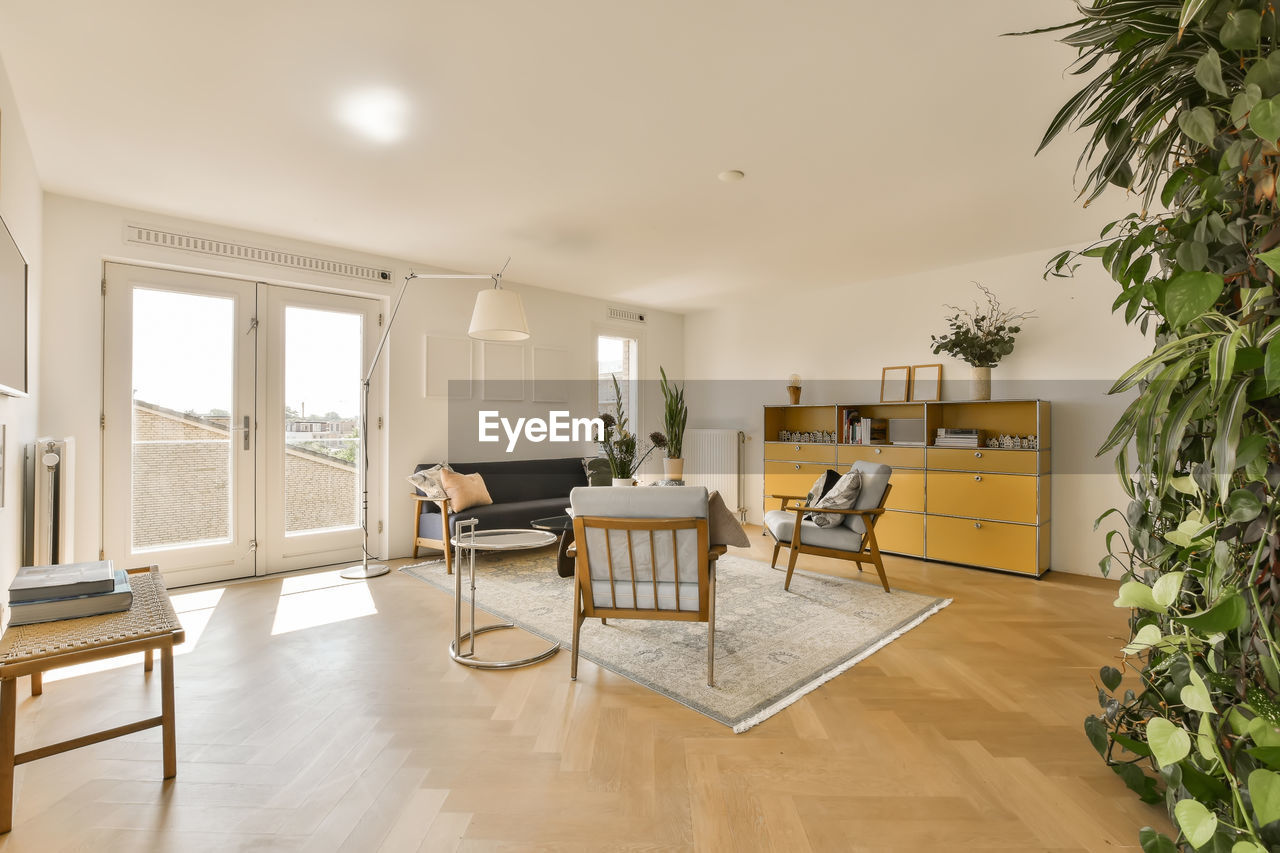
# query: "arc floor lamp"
x,y
498,316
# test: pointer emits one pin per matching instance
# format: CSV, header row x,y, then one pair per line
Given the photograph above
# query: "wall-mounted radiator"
x,y
50,470
713,458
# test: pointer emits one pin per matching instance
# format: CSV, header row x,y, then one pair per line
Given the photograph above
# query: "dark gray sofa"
x,y
522,490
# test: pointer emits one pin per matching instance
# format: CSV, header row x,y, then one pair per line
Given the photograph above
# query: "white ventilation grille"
x,y
626,314
240,251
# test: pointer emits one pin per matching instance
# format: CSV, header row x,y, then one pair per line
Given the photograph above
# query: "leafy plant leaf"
x,y
1111,677
1243,505
1096,730
1147,637
1241,30
1165,589
1137,594
1264,792
1226,615
1209,73
1189,295
1153,842
1199,125
1264,120
1195,695
1169,743
1197,823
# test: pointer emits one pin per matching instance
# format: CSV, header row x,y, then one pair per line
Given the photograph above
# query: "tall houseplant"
x,y
1182,108
980,338
675,414
620,444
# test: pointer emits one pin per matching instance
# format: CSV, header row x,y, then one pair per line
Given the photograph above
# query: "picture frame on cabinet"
x,y
895,384
926,383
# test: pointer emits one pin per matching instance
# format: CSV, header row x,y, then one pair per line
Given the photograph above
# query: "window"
x,y
618,357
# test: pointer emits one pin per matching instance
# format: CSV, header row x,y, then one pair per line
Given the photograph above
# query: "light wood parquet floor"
x,y
320,714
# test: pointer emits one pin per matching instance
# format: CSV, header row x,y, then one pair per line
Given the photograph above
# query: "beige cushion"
x,y
722,527
464,490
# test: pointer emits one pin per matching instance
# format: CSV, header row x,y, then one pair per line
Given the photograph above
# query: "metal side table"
x,y
471,540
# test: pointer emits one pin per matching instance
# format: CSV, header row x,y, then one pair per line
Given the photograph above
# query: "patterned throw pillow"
x,y
821,486
427,481
843,495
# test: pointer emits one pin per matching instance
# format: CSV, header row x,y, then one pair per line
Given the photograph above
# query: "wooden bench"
x,y
150,624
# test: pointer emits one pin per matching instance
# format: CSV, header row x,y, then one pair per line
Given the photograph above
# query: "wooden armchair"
x,y
854,539
644,554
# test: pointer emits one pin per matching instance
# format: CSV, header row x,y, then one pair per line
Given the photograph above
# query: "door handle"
x,y
244,429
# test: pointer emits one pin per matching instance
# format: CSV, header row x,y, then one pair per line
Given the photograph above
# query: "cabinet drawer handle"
x,y
797,447
877,450
977,525
977,454
797,467
977,478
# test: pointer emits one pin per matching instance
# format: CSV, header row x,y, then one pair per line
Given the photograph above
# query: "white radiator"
x,y
713,458
51,474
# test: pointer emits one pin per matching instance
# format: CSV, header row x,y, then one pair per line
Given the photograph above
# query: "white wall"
x,y
21,200
1069,355
81,234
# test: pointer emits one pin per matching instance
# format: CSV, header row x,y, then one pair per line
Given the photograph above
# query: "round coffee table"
x,y
563,525
471,540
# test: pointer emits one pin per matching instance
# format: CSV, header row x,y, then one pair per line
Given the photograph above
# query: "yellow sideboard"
x,y
981,506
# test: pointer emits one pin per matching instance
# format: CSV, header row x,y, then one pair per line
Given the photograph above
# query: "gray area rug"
x,y
772,646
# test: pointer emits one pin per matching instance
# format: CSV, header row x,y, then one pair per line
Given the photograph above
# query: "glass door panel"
x,y
179,463
315,355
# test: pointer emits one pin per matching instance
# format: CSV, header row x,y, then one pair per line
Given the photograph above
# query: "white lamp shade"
x,y
499,316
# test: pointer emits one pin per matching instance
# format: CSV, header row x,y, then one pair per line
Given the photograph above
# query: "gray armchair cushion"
x,y
875,477
782,523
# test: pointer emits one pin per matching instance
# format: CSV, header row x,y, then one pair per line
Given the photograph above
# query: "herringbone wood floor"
x,y
361,735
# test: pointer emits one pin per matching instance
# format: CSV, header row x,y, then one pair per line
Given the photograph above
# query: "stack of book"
x,y
50,593
958,438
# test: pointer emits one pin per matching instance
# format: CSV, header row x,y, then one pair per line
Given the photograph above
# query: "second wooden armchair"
x,y
854,539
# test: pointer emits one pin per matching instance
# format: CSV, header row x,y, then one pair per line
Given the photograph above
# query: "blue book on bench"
x,y
53,609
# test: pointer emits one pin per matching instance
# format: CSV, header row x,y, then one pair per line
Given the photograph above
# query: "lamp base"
x,y
361,572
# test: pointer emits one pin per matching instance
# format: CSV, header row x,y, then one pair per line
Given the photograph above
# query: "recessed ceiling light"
x,y
732,175
380,114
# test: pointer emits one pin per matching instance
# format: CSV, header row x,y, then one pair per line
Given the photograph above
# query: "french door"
x,y
232,438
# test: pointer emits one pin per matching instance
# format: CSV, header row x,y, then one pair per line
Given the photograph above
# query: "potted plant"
x,y
675,415
1180,110
620,444
980,337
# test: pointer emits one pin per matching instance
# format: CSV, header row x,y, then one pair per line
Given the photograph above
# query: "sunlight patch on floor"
x,y
309,601
194,610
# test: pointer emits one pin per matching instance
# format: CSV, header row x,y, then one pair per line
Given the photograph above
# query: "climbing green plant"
x,y
1181,108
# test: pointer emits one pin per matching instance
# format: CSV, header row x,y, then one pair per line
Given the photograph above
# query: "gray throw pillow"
x,y
821,486
843,495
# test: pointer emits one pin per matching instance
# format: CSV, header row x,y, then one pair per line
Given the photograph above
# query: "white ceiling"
x,y
582,138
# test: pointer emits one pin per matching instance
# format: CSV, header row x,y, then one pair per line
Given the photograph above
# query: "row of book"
x,y
859,430
957,438
52,593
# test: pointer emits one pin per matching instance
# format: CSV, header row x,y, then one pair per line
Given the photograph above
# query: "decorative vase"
x,y
980,383
794,392
673,469
624,481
